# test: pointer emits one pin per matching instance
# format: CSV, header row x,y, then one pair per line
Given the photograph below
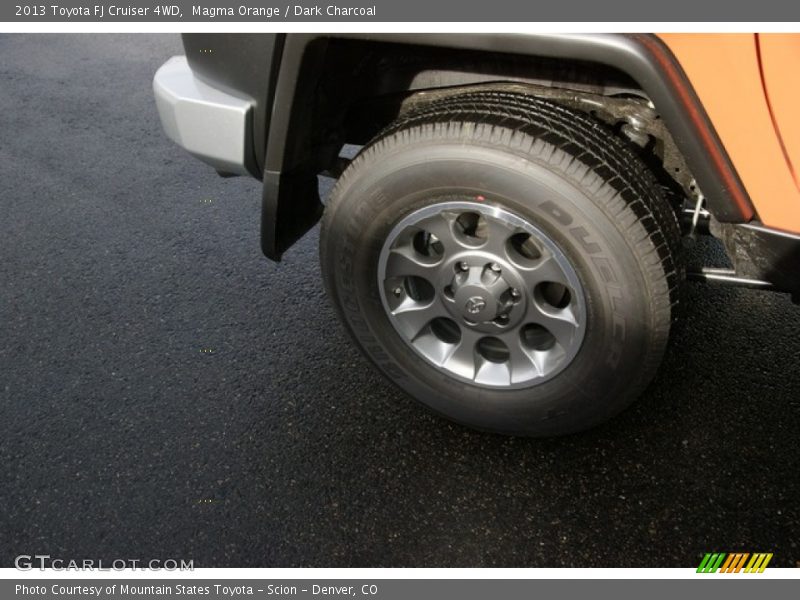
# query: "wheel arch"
x,y
303,138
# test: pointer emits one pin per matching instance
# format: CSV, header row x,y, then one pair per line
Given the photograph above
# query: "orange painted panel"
x,y
724,71
780,65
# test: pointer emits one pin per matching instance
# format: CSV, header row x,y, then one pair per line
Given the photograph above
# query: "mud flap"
x,y
290,207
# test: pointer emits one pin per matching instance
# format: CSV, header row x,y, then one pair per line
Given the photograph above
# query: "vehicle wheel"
x,y
507,261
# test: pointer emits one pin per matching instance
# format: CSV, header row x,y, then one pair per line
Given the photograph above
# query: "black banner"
x,y
439,11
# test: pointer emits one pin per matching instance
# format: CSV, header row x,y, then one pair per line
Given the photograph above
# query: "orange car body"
x,y
748,86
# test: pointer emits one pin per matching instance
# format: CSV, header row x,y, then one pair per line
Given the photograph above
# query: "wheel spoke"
x,y
497,235
413,316
522,364
493,373
545,269
441,225
461,359
561,323
547,360
402,262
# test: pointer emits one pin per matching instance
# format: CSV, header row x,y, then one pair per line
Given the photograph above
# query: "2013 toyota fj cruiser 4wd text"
x,y
507,246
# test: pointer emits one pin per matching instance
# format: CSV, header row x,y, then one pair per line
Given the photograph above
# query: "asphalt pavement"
x,y
167,392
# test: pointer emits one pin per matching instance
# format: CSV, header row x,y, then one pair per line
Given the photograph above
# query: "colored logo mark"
x,y
721,562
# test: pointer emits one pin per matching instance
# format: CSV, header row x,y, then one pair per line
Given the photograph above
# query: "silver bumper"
x,y
210,124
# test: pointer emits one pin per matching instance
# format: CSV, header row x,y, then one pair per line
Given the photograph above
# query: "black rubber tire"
x,y
610,218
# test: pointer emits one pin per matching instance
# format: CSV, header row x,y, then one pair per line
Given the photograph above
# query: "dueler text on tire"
x,y
507,261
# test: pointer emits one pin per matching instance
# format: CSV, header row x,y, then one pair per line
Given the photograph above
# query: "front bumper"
x,y
210,124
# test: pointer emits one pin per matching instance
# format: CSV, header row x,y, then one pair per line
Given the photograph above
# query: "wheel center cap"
x,y
474,305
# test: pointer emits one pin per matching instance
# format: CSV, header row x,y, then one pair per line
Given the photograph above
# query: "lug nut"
x,y
495,268
398,291
463,266
515,294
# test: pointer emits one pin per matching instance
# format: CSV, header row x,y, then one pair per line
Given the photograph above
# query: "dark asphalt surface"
x,y
123,259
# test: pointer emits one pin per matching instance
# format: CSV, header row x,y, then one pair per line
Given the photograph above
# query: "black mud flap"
x,y
290,207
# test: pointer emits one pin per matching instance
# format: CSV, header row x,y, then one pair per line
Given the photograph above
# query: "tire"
x,y
586,203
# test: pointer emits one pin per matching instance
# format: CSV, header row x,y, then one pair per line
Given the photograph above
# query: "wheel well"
x,y
333,91
359,87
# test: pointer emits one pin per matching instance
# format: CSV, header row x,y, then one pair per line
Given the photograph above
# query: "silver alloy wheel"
x,y
482,294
